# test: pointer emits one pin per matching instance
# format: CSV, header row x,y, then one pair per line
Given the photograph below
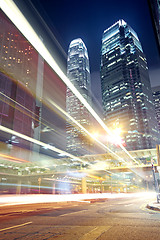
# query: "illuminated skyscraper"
x,y
79,74
126,91
17,81
156,98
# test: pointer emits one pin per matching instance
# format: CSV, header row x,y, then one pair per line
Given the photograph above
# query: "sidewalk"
x,y
153,206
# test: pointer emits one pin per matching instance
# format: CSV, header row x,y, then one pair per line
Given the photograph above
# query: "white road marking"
x,y
95,233
16,226
71,213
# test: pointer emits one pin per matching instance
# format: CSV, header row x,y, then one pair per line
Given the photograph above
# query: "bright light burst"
x,y
84,129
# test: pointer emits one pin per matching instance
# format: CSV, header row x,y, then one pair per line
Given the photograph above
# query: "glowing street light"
x,y
116,138
95,135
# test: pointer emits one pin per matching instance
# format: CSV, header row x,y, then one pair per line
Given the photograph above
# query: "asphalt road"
x,y
125,218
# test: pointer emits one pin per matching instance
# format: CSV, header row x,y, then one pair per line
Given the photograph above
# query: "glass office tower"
x,y
126,90
156,99
79,74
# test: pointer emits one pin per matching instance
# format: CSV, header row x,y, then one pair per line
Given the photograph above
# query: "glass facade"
x,y
156,98
79,74
27,84
17,82
126,90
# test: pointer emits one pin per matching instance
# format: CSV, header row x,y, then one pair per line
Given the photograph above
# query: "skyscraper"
x,y
17,81
156,98
79,74
126,90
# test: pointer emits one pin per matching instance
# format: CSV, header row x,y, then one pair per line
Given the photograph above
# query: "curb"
x,y
153,208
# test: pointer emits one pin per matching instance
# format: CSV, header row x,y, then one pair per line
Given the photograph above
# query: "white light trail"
x,y
15,15
46,129
7,130
84,129
20,105
42,198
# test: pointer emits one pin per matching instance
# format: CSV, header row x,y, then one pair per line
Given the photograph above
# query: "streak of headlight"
x,y
13,158
28,110
84,129
52,148
15,15
96,177
61,180
20,105
42,198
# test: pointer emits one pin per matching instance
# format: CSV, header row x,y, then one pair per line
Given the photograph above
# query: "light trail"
x,y
97,178
84,129
7,130
12,158
16,16
29,186
12,100
30,114
42,198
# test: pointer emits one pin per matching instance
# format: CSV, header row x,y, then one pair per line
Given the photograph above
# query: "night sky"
x,y
70,19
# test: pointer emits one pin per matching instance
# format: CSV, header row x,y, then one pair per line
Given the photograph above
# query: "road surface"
x,y
117,219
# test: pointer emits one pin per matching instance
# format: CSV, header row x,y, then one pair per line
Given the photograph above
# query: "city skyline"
x,y
96,18
36,89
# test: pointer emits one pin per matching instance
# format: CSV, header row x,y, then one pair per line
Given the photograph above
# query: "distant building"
x,y
18,70
79,74
17,57
126,90
156,98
